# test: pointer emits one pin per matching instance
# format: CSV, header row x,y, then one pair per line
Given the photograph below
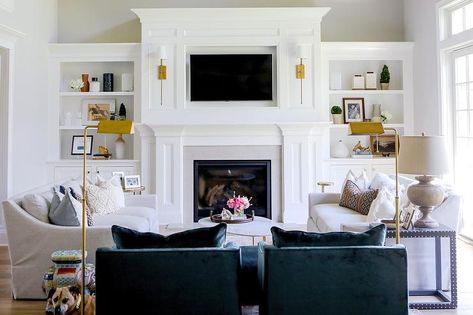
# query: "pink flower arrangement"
x,y
238,204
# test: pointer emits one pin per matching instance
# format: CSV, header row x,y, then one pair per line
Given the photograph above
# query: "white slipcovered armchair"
x,y
31,241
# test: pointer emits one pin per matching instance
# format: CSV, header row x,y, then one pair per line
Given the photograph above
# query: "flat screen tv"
x,y
242,77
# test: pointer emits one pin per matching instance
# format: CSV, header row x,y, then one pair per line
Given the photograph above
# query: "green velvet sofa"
x,y
366,280
168,281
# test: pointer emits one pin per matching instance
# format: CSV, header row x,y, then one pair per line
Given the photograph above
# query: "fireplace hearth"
x,y
217,180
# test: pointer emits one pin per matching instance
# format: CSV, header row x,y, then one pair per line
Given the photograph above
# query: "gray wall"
x,y
423,31
112,20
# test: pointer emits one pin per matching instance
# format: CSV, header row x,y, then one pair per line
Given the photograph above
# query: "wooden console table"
x,y
446,301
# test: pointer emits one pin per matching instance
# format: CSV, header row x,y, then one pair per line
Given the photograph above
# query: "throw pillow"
x,y
373,237
203,237
117,189
65,210
361,181
101,199
36,205
383,207
357,199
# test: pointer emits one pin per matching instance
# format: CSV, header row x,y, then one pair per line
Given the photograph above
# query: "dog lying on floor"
x,y
67,300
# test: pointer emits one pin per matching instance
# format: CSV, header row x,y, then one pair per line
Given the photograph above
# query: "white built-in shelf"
x,y
361,160
79,160
365,92
71,127
96,94
345,126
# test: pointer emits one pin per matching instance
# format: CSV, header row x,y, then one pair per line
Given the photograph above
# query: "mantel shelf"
x,y
82,94
366,92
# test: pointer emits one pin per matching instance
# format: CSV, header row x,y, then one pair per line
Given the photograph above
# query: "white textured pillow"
x,y
381,180
116,189
383,207
361,181
36,205
101,199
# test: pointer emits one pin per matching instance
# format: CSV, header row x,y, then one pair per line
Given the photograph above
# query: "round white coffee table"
x,y
259,227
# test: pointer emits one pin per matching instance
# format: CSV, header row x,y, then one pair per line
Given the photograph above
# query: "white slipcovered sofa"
x,y
325,215
31,241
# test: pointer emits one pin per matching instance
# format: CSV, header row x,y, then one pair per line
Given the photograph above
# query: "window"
x,y
463,128
461,18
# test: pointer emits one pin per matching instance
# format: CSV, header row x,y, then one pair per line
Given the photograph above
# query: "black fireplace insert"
x,y
215,181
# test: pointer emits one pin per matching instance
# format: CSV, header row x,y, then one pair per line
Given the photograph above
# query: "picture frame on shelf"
x,y
95,110
78,145
409,215
131,182
382,145
353,109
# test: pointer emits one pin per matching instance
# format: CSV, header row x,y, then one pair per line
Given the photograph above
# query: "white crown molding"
x,y
314,14
108,50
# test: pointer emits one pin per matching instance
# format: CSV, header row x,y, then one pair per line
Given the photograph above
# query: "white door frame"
x,y
8,37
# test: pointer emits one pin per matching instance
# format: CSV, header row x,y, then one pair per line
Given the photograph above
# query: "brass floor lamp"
x,y
104,127
375,128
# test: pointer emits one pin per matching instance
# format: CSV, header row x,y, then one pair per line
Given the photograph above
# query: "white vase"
x,y
120,147
376,113
337,119
340,150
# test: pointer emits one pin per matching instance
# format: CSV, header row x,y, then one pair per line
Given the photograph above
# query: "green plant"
x,y
336,110
385,75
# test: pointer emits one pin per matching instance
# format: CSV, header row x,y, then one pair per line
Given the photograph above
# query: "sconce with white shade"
x,y
302,53
427,157
162,70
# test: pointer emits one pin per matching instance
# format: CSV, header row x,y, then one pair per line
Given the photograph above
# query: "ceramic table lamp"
x,y
425,156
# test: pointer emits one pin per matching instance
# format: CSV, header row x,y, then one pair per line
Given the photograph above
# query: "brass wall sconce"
x,y
302,53
162,69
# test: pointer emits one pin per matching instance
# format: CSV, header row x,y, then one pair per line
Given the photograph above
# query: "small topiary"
x,y
336,110
385,75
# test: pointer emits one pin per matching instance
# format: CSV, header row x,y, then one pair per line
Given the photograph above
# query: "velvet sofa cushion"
x,y
203,237
373,237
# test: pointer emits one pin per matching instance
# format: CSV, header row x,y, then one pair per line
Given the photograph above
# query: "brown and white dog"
x,y
67,300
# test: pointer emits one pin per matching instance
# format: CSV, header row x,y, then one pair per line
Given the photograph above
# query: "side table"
x,y
135,191
446,301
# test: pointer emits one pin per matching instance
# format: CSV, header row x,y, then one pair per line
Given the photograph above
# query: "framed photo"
x,y
410,213
94,111
78,145
353,109
384,145
132,181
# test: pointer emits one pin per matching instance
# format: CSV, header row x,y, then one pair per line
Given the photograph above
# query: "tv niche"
x,y
232,77
217,181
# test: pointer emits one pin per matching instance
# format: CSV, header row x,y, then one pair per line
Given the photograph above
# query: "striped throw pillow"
x,y
356,199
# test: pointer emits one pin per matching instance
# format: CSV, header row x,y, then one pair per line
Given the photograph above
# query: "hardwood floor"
x,y
8,306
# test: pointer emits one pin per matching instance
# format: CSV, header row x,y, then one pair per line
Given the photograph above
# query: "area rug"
x,y
254,310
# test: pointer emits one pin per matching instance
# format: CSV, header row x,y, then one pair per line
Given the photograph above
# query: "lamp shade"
x,y
116,126
366,128
303,51
162,52
423,155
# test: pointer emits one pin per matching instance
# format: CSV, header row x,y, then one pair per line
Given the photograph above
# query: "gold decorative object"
x,y
376,128
302,53
162,69
104,126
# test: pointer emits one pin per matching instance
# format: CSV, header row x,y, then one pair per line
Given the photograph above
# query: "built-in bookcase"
x,y
347,59
68,62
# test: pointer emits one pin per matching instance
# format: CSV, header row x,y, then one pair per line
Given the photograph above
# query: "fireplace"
x,y
217,180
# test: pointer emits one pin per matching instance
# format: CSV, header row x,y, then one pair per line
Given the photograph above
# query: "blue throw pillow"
x,y
373,237
203,237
